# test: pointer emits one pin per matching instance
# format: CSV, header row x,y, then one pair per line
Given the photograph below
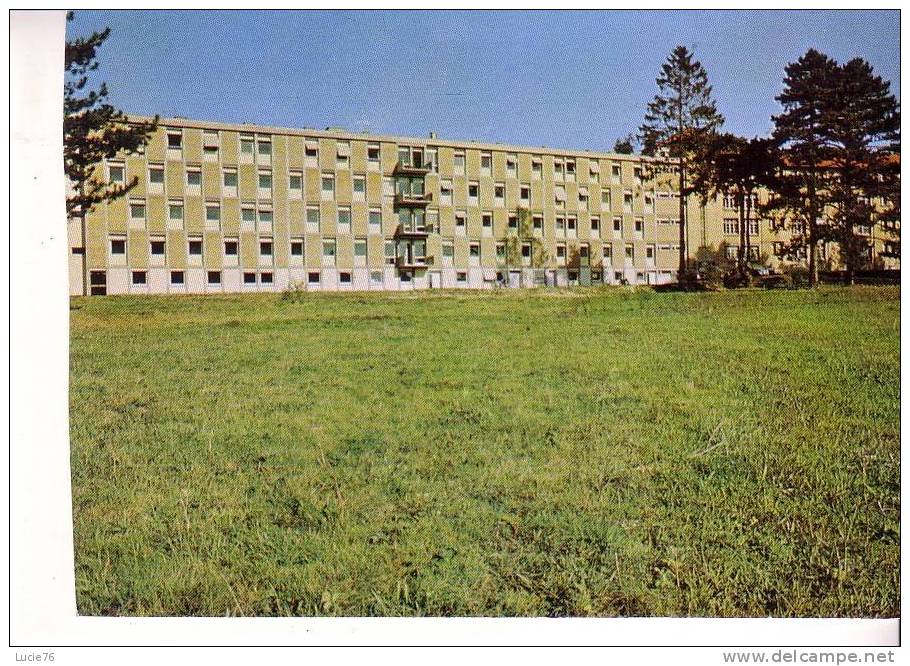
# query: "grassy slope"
x,y
608,453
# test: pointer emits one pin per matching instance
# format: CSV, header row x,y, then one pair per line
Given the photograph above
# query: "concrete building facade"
x,y
244,208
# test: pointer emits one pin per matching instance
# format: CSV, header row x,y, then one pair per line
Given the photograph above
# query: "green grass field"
x,y
595,452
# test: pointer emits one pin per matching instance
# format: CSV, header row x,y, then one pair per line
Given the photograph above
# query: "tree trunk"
x,y
683,255
748,221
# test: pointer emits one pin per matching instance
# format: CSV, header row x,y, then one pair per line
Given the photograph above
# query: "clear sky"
x,y
571,79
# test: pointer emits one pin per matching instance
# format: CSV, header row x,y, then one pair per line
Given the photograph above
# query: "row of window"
x,y
410,219
401,186
260,146
393,249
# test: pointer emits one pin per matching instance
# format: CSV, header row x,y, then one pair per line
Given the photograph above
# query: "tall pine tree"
x,y
93,130
802,134
864,133
678,121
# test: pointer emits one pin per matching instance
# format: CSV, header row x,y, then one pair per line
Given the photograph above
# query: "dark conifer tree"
x,y
677,123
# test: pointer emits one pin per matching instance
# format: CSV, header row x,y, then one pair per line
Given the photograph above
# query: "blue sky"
x,y
573,79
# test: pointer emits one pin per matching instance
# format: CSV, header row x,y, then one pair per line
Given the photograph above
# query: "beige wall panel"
x,y
156,213
193,214
249,250
116,213
176,250
343,187
247,180
359,156
328,154
155,148
136,166
137,249
312,248
230,216
446,154
174,178
192,145
212,249
211,180
344,252
388,156
297,217
328,218
295,152
229,147
359,219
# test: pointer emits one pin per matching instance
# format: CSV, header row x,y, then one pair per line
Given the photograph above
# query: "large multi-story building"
x,y
235,208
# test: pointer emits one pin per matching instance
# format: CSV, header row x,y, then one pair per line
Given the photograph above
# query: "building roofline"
x,y
365,136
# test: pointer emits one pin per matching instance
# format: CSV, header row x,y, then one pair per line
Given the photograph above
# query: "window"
x,y
373,154
343,154
499,194
193,177
474,250
213,212
559,194
570,170
311,155
295,182
360,188
375,220
487,223
376,277
500,251
265,218
312,219
627,202
538,223
265,180
486,164
448,250
525,250
731,226
561,252
461,277
139,277
177,278
115,172
617,225
729,201
249,277
571,225
594,168
390,252
264,147
511,165
344,219
344,278
638,177
195,247
137,210
229,178
473,192
328,186
296,248
461,222
265,247
630,252
445,191
175,211
175,140
248,215
118,246
214,277
328,250
649,202
557,169
583,196
639,226
560,226
536,167
230,248
513,223
360,247
595,226
432,159
525,194
210,153
156,175
458,164
312,278
616,173
246,148
266,277
605,199
156,247
608,252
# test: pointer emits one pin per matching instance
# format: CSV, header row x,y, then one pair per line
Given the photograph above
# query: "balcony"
x,y
414,200
411,231
406,169
412,263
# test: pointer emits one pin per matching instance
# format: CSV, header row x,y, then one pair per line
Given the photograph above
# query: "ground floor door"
x,y
98,283
435,279
514,279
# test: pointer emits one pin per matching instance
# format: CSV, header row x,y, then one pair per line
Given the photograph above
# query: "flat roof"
x,y
364,136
